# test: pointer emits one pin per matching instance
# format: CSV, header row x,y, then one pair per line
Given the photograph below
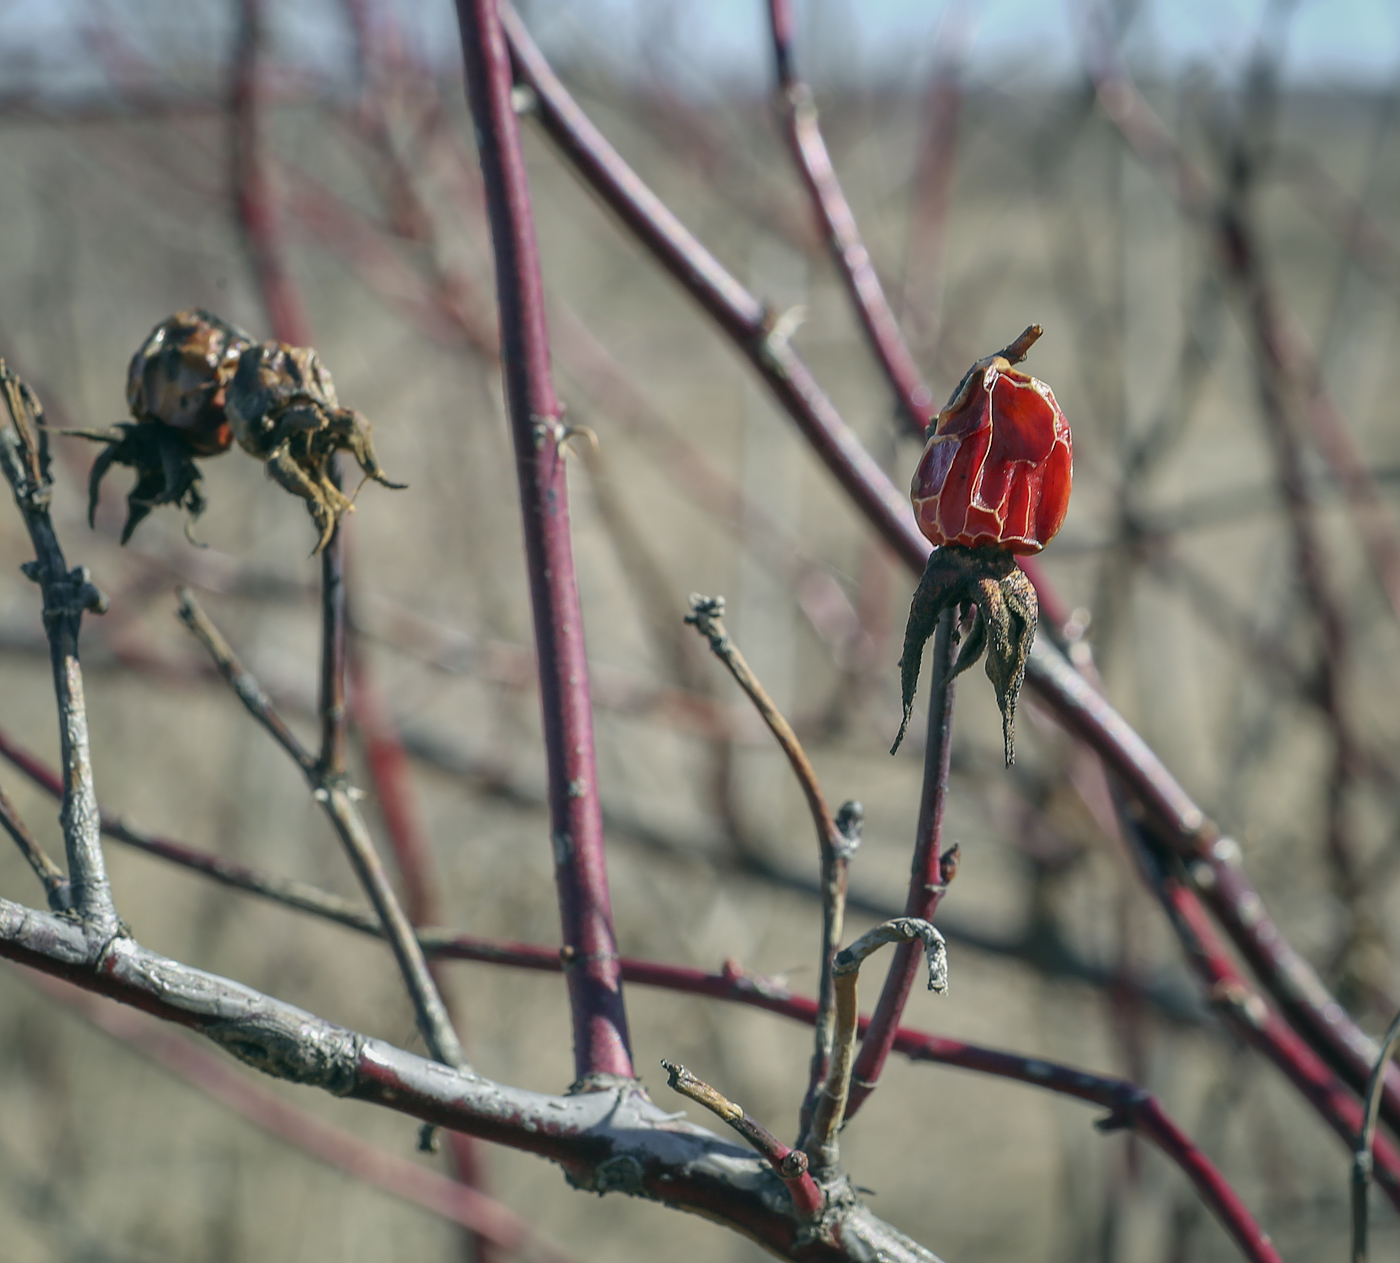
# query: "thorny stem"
x,y
926,878
67,595
601,1044
834,845
848,252
790,1165
831,1104
335,799
1363,1160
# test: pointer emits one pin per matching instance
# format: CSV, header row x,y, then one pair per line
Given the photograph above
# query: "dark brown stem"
x,y
838,223
926,881
334,625
36,942
789,1164
601,1045
335,800
1363,1159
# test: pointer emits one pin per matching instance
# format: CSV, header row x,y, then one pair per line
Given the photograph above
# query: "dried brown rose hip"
x,y
284,411
180,375
175,390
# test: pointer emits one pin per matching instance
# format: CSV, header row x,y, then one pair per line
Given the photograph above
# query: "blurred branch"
x,y
50,876
798,112
343,1150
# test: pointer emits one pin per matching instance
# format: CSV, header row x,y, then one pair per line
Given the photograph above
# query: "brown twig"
x,y
50,876
789,1164
831,1104
1363,1159
834,845
334,797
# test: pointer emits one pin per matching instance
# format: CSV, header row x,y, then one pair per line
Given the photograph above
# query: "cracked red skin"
x,y
998,465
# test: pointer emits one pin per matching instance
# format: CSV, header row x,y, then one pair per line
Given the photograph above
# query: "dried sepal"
x,y
989,581
165,471
284,411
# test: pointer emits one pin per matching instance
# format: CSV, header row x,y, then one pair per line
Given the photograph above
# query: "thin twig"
x,y
334,796
834,846
799,115
1363,1161
334,630
50,876
927,880
601,1043
789,1164
67,594
831,1104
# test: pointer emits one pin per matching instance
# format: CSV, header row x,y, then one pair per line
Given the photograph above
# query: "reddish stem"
x,y
926,884
838,223
1055,684
576,822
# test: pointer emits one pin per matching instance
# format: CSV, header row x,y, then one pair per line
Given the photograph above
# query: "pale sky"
x,y
718,46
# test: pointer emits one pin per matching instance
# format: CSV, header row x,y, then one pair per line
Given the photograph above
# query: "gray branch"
x,y
605,1141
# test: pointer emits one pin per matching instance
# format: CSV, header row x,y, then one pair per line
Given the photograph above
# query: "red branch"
x,y
852,259
576,821
1191,835
926,877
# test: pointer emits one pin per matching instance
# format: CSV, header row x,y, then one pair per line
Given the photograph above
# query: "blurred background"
x,y
1227,560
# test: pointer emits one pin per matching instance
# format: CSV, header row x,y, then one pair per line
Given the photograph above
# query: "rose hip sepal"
x,y
994,481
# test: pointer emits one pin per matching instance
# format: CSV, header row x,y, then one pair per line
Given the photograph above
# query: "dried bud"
x,y
175,388
284,411
179,377
998,465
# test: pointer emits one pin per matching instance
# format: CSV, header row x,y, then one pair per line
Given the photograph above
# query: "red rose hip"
x,y
997,468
